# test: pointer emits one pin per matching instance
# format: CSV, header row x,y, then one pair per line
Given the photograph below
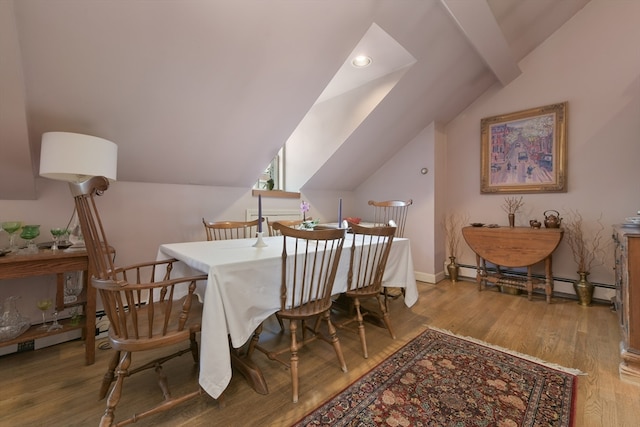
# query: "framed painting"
x,y
525,151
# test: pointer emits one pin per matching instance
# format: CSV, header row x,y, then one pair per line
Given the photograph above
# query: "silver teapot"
x,y
551,220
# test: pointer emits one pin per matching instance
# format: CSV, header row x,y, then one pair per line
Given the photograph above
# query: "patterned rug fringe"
x,y
534,359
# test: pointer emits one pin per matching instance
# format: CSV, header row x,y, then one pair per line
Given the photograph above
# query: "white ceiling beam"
x,y
477,22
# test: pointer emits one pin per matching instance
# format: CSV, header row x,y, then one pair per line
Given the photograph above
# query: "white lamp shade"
x,y
74,157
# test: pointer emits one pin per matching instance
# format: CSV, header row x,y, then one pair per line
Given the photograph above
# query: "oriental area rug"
x,y
439,379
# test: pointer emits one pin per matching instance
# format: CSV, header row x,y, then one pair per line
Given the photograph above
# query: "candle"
x,y
340,213
259,213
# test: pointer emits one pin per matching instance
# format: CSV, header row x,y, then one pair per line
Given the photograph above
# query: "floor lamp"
x,y
76,158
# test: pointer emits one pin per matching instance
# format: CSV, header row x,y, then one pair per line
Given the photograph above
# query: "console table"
x,y
514,247
47,262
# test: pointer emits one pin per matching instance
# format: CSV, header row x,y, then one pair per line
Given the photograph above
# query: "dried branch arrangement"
x,y
512,204
587,246
452,225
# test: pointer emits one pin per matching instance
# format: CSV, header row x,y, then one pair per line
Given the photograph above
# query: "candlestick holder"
x,y
259,243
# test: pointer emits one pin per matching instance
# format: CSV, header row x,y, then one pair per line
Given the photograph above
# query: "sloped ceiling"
x,y
206,92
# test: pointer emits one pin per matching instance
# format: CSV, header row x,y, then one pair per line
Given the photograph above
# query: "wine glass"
x,y
30,232
55,325
44,305
56,233
11,227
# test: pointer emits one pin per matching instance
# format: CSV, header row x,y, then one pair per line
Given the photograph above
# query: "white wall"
x,y
400,178
593,62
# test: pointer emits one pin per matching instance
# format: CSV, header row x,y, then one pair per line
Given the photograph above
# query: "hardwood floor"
x,y
53,387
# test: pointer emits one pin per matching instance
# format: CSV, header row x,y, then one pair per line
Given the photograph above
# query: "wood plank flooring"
x,y
53,387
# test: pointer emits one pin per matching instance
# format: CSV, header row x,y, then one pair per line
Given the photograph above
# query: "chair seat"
x,y
365,291
133,343
303,311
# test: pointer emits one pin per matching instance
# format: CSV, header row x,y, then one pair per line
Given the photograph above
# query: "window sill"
x,y
276,194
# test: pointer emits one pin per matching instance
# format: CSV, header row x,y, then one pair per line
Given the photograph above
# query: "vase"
x,y
12,324
512,220
453,269
583,289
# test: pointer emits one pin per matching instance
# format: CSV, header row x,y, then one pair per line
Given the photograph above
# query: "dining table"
x,y
243,289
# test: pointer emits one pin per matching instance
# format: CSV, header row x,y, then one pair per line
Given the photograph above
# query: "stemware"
x,y
55,325
30,232
72,287
57,233
11,227
44,305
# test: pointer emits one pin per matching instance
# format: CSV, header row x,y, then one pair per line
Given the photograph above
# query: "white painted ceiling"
x,y
207,91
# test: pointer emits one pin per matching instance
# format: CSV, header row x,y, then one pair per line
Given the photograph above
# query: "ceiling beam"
x,y
477,22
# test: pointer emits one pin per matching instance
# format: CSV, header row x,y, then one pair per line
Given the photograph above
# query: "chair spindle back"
x,y
309,265
368,258
391,210
227,230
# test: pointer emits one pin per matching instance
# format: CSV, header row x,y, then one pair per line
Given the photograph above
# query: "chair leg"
x,y
333,338
162,382
254,340
109,375
360,319
114,397
194,348
280,322
385,316
293,326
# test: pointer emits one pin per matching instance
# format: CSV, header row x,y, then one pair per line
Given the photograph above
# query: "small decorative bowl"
x,y
477,224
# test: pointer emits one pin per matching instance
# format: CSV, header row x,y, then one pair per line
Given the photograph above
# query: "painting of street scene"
x,y
524,151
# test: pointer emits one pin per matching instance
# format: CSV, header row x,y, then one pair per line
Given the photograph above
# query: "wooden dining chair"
x,y
146,308
226,230
391,210
367,263
396,211
308,274
293,223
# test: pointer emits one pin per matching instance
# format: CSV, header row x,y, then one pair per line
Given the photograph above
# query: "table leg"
x,y
59,306
478,272
529,284
548,285
249,370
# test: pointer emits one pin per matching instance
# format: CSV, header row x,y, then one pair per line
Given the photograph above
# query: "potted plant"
x,y
511,206
307,223
589,250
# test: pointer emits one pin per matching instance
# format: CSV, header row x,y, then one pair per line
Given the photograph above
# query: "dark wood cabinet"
x,y
627,270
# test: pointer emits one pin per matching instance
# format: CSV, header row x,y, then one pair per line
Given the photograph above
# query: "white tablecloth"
x,y
243,289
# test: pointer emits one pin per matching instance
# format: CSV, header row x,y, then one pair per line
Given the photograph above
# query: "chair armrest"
x,y
153,272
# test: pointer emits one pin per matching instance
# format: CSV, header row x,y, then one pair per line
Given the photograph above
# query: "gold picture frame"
x,y
525,151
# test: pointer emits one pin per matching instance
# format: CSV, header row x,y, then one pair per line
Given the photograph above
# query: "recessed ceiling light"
x,y
361,61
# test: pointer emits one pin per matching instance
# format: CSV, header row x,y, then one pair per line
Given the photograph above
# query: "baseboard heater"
x,y
541,276
537,276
